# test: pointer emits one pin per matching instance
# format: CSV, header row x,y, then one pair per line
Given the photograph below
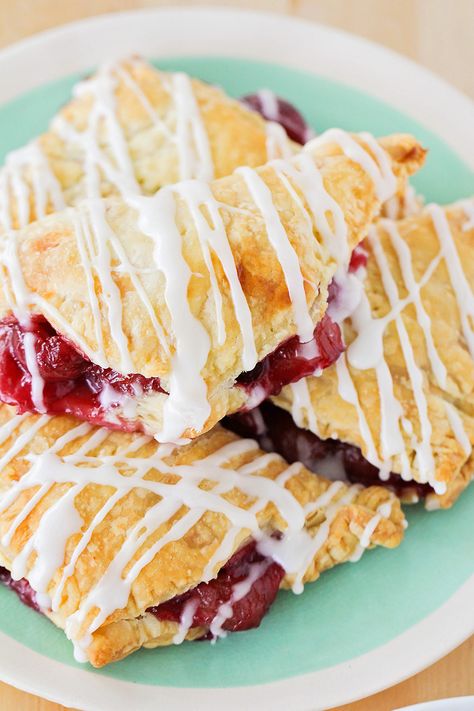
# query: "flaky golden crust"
x,y
179,565
53,271
454,488
338,419
146,113
114,641
145,106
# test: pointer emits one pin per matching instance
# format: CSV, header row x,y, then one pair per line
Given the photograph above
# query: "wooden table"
x,y
436,33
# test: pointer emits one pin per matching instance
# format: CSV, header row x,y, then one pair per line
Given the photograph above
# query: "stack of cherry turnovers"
x,y
229,349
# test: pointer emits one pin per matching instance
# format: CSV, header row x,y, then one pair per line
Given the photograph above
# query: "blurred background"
x,y
436,33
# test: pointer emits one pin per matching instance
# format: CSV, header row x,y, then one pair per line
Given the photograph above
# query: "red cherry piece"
x,y
58,360
72,383
292,361
358,258
246,612
272,108
22,588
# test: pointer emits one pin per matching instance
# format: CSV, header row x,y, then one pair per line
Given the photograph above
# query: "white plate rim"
x,y
418,93
354,679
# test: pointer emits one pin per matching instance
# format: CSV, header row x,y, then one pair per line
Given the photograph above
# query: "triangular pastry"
x,y
147,311
131,128
400,400
127,543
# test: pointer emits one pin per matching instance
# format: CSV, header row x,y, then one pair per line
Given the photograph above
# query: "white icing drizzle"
x,y
194,153
462,290
306,176
239,591
187,404
390,408
383,511
109,290
302,405
367,351
98,164
15,289
223,553
277,143
198,195
125,76
406,205
269,101
348,295
106,156
27,178
379,169
74,472
458,429
404,258
392,208
294,552
287,256
367,348
278,138
23,438
385,182
424,452
348,393
365,538
10,426
85,249
17,195
37,382
327,496
412,202
189,135
186,621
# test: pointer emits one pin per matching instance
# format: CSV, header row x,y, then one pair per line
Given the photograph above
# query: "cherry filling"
x,y
276,431
246,612
70,383
293,360
22,588
272,108
359,258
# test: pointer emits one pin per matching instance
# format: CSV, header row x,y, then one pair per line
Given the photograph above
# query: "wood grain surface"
x,y
436,33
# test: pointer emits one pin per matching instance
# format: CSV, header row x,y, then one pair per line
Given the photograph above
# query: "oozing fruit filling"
x,y
22,588
65,381
276,431
272,108
293,360
68,382
238,598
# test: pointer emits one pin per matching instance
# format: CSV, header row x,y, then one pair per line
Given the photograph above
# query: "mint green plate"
x,y
352,609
